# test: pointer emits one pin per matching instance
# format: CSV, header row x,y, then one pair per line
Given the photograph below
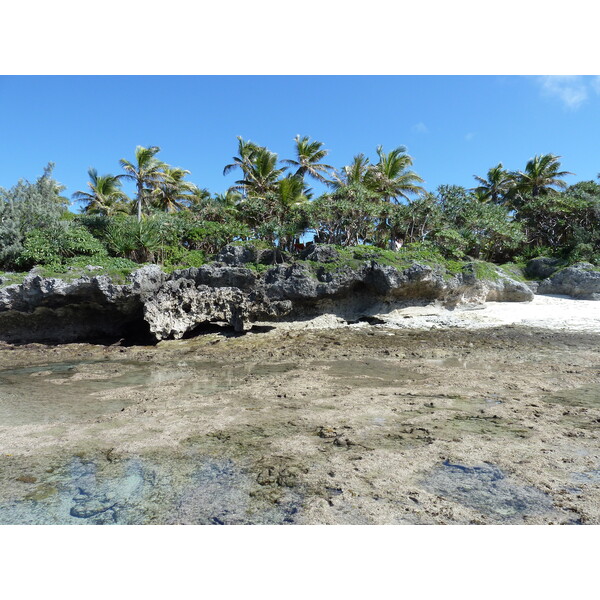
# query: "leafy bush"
x,y
38,249
584,253
137,241
24,208
210,236
180,258
51,246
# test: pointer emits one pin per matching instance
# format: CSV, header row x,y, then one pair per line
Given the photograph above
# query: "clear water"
x,y
487,489
166,490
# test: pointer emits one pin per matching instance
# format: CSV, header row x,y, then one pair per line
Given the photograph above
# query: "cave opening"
x,y
223,329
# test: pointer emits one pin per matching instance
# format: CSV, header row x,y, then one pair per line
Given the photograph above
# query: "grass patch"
x,y
10,278
515,271
485,271
118,269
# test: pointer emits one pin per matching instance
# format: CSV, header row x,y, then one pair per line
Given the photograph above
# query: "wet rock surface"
x,y
486,488
355,425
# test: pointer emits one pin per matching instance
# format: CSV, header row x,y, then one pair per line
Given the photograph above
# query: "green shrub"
x,y
39,249
51,246
180,258
210,236
24,208
137,241
584,253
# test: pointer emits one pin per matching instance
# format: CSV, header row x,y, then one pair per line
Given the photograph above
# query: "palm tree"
x,y
219,208
351,174
105,197
147,172
309,154
260,173
291,192
498,183
246,152
390,177
172,192
198,198
540,175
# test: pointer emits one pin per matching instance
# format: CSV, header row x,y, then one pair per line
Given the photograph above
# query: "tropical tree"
x,y
309,156
351,174
172,193
391,178
347,216
260,173
542,173
26,207
147,172
218,208
105,196
245,151
496,185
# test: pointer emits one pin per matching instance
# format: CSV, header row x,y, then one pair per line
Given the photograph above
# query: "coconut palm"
x,y
391,178
246,152
260,173
172,193
291,192
498,183
351,174
542,173
147,172
309,156
105,197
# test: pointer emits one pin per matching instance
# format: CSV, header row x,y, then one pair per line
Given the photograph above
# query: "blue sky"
x,y
453,126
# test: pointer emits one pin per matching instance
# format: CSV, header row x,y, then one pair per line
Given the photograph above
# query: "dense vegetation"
x,y
509,216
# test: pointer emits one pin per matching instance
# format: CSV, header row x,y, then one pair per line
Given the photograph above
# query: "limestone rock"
x,y
236,256
321,253
542,267
171,305
581,280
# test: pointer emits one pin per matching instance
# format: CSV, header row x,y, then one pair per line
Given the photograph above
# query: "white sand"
x,y
548,312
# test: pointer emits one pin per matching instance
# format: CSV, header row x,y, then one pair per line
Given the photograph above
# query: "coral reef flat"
x,y
480,420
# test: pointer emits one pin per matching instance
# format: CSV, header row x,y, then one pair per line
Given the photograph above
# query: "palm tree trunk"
x,y
140,190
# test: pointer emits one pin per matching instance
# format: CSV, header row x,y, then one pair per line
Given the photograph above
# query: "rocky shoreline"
x,y
154,305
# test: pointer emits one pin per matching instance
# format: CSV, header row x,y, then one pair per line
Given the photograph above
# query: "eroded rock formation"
x,y
227,292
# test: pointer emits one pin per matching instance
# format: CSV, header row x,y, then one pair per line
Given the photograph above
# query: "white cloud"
x,y
420,128
571,90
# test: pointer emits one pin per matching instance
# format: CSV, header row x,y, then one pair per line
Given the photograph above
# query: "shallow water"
x,y
143,490
99,488
367,373
487,489
74,391
587,396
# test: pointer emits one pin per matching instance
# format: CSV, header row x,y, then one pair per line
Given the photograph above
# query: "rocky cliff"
x,y
229,292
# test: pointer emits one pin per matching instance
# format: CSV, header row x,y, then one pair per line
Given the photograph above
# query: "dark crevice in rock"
x,y
81,323
371,320
223,329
